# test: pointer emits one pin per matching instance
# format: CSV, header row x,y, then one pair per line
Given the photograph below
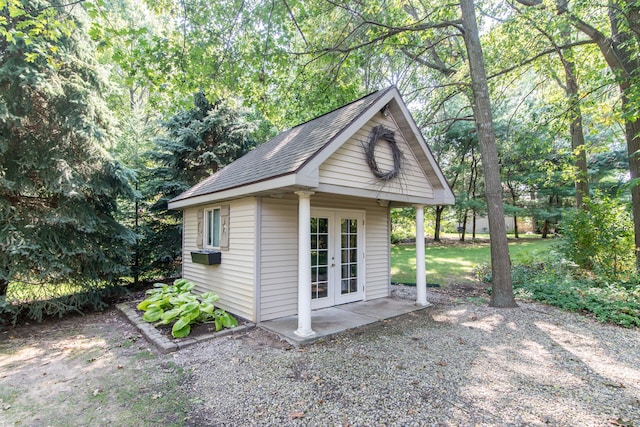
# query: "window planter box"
x,y
206,257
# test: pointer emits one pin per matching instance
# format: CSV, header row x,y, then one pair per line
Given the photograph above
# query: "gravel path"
x,y
451,364
457,363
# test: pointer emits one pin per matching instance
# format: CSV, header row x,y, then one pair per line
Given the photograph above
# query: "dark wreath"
x,y
380,132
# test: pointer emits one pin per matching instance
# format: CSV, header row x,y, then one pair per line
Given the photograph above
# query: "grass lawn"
x,y
453,261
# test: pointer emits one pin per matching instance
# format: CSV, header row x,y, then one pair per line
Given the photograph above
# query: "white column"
x,y
421,281
304,264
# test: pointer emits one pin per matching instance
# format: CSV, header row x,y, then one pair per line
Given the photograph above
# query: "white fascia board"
x,y
308,177
348,132
234,193
378,195
445,195
423,144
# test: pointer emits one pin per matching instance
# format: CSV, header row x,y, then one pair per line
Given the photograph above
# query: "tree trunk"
x,y
545,229
632,130
502,294
4,287
436,232
464,226
473,225
578,146
514,200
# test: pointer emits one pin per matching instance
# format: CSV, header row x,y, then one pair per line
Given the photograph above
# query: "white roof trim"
x,y
323,154
307,176
448,193
245,190
381,195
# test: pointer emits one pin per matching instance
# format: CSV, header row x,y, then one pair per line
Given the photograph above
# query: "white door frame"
x,y
334,294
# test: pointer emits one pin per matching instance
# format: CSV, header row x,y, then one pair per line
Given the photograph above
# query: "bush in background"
x,y
599,238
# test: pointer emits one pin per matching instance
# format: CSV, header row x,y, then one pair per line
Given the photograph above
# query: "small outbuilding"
x,y
303,221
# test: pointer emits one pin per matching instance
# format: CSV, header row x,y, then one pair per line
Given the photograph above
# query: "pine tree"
x,y
197,143
58,187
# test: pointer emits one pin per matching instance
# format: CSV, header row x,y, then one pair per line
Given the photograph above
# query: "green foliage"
x,y
560,283
38,301
403,225
58,187
196,144
175,304
599,238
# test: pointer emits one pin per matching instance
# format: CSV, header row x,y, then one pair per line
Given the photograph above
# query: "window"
x,y
212,228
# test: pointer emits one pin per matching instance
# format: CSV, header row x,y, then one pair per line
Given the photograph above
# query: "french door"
x,y
337,257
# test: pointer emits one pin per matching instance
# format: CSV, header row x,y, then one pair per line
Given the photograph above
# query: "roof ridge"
x,y
340,108
259,165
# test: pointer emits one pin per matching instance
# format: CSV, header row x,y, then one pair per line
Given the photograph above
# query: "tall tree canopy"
x,y
557,104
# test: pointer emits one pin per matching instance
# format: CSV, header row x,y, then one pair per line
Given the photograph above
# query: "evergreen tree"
x,y
197,143
58,187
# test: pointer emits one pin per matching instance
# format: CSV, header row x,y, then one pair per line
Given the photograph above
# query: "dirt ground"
x,y
94,370
98,370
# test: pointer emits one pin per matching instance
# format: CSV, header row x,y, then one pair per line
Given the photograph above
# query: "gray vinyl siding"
x,y
233,279
279,250
279,257
348,166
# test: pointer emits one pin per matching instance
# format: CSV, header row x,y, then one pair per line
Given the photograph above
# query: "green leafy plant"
x,y
167,304
600,238
562,284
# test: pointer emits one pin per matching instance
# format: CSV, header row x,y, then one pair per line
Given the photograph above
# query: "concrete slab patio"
x,y
334,320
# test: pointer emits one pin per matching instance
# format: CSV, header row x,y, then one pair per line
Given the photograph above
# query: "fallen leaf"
x,y
442,363
295,415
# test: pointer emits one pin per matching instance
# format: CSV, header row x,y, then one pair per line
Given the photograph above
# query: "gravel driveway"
x,y
456,363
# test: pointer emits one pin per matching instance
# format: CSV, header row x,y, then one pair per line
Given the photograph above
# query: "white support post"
x,y
304,264
421,281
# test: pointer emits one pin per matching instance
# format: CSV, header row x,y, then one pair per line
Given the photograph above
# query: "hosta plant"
x,y
176,304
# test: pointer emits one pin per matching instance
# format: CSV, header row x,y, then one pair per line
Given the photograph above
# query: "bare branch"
x,y
436,64
538,56
295,22
530,2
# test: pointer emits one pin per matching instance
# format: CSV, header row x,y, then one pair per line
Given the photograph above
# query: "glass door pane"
x,y
348,256
319,257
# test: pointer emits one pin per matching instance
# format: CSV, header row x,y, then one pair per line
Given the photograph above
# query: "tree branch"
x,y
295,22
538,56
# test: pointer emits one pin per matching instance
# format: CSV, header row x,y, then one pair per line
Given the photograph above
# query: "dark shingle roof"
x,y
286,153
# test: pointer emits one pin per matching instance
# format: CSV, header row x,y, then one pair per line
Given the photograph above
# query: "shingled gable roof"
x,y
280,162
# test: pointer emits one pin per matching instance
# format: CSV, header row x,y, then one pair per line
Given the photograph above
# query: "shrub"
x,y
599,238
562,284
36,301
167,304
403,225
